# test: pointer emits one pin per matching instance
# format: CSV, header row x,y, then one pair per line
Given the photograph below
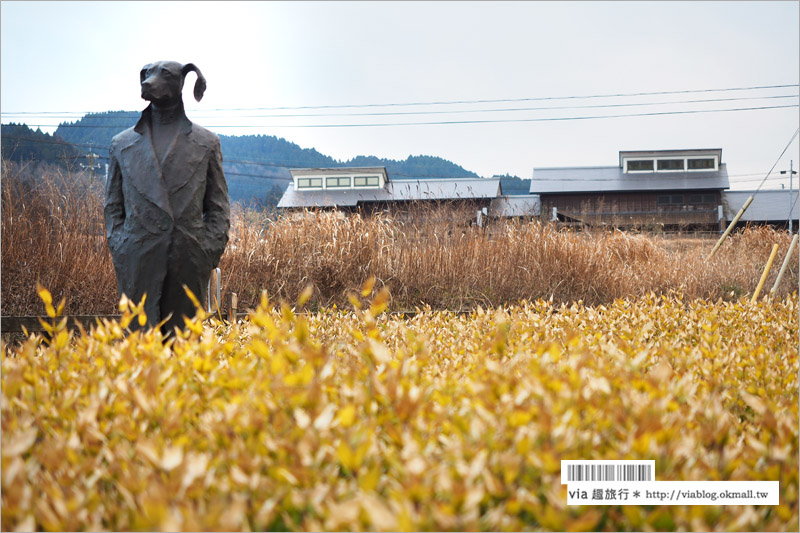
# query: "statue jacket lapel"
x,y
180,166
165,184
140,165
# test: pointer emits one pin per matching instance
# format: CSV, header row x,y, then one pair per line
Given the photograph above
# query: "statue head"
x,y
162,82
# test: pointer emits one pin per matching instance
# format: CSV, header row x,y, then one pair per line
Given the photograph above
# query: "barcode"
x,y
574,471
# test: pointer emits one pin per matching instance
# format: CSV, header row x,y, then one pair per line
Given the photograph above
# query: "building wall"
x,y
416,208
637,208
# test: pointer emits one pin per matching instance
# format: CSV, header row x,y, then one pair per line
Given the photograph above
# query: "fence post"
x,y
232,302
214,290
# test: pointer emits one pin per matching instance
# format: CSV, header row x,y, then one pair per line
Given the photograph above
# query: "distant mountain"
x,y
21,143
413,167
97,129
257,166
514,185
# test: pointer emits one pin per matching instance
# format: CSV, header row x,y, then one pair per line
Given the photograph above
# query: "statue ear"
x,y
200,84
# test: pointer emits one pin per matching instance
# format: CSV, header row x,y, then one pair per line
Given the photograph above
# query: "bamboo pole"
x,y
765,274
785,264
730,227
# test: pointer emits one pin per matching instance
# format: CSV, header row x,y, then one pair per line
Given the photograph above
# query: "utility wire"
x,y
285,165
531,99
440,112
276,178
65,144
517,109
290,165
102,147
791,209
453,122
777,160
484,101
226,161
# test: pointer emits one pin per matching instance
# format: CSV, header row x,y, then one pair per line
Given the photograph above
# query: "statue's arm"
x,y
216,207
114,208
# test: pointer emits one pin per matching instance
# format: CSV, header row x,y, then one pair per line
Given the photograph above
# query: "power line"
x,y
779,158
277,178
290,165
453,102
226,161
482,101
519,109
773,178
65,144
791,210
275,163
530,99
440,112
457,122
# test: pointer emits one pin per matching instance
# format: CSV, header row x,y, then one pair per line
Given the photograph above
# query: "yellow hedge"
x,y
359,420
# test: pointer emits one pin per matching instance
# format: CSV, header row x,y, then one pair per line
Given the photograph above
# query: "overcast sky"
x,y
78,57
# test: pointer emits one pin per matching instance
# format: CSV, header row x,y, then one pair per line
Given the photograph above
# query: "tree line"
x,y
256,166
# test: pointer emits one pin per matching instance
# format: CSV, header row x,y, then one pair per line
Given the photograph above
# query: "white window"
x,y
337,182
702,163
366,181
309,183
639,165
671,165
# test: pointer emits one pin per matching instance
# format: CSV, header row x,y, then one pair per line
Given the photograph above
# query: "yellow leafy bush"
x,y
360,420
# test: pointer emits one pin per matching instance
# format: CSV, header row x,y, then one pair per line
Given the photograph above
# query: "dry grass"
x,y
459,267
52,232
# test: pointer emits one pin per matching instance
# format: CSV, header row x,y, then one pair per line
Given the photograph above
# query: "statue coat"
x,y
166,223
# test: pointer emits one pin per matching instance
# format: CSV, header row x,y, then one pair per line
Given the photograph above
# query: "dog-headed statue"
x,y
167,211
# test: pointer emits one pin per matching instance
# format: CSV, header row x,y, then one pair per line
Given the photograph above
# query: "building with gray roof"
x,y
528,206
652,189
369,188
667,188
769,206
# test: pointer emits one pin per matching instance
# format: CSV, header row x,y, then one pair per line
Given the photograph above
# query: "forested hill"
x,y
20,143
257,166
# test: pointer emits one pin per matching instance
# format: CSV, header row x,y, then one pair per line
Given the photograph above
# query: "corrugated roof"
x,y
515,206
570,180
397,190
328,198
767,205
444,189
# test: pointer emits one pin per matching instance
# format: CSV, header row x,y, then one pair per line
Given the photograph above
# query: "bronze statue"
x,y
167,210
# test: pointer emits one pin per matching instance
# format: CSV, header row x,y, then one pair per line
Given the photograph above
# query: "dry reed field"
x,y
356,420
52,232
576,346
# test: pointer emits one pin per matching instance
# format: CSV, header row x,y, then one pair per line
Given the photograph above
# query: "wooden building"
x,y
665,189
